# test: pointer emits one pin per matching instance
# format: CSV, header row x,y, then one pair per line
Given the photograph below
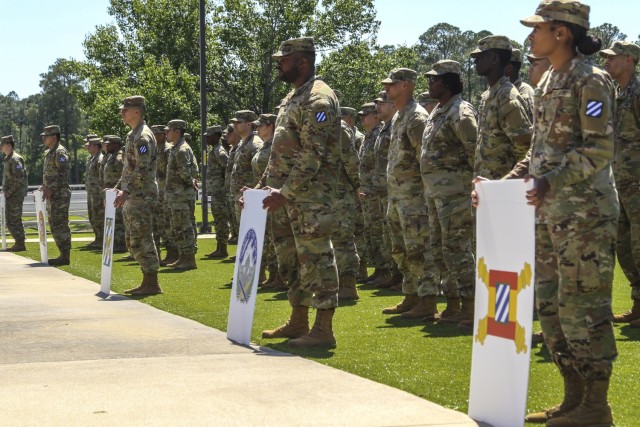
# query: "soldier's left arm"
x,y
62,170
415,129
516,125
595,97
466,129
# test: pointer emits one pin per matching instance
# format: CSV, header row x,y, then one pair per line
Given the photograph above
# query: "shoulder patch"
x,y
593,108
321,116
62,159
18,166
143,149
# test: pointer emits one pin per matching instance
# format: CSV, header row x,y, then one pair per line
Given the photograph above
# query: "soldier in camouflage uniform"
x,y
407,210
427,101
138,194
56,192
180,192
95,204
234,222
111,173
14,188
513,72
301,178
576,212
446,164
265,127
621,60
504,129
537,68
217,161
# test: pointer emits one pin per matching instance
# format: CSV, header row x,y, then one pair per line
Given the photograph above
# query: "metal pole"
x,y
203,120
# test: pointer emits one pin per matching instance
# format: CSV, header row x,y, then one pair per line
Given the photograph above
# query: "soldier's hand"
x,y
536,195
474,194
46,193
121,198
195,184
275,200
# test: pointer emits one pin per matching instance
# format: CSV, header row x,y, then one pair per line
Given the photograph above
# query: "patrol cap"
x,y
267,119
516,56
7,140
368,108
212,130
157,128
176,124
92,138
492,42
426,98
400,75
51,130
443,67
348,111
559,10
187,137
622,48
245,116
382,97
135,101
303,44
112,139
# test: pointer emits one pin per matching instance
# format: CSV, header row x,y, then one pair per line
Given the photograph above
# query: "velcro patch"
x,y
321,116
18,166
593,109
143,149
62,159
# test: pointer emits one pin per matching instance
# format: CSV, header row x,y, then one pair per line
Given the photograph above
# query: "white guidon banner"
x,y
505,262
41,217
247,269
3,222
107,242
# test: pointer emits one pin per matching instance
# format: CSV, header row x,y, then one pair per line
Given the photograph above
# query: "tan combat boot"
x,y
321,335
296,326
426,308
347,289
394,280
220,252
374,276
635,324
187,262
406,304
149,286
137,288
63,259
363,274
629,316
383,276
537,338
18,246
593,411
464,315
574,389
171,257
176,262
277,283
453,308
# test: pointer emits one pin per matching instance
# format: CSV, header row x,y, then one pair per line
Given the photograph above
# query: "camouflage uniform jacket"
x,y
14,176
217,162
242,174
180,173
403,170
358,138
504,130
161,167
227,175
627,131
305,156
527,93
448,146
92,177
381,153
140,157
367,159
573,144
55,175
349,180
101,164
261,159
112,171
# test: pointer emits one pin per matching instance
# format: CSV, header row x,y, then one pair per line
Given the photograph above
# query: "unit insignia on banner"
x,y
106,242
41,229
501,320
247,266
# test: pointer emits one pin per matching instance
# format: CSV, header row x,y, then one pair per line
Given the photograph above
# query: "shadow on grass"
x,y
630,334
173,270
37,264
318,353
541,354
395,321
279,296
440,330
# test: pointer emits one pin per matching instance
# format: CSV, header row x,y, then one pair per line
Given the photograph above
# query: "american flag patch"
x,y
321,117
594,108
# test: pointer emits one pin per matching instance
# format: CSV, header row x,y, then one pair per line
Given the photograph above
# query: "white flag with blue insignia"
x,y
41,217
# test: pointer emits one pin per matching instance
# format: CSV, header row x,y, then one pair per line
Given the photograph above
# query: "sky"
x,y
37,32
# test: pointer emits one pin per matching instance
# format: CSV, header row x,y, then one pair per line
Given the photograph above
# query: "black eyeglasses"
x,y
432,79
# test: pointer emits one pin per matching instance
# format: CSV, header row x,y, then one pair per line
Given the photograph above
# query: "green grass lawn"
x,y
430,361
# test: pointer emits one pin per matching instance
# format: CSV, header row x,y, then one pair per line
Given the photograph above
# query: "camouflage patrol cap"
x,y
571,11
426,98
245,116
303,44
267,119
157,128
176,124
135,101
112,139
368,108
212,130
6,140
92,138
492,42
382,97
348,111
516,56
622,48
51,130
401,75
443,67
187,137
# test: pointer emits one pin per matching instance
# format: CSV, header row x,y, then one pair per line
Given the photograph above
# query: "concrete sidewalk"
x,y
70,358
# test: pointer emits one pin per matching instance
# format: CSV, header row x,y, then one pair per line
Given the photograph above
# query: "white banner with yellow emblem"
x,y
107,241
505,261
3,221
247,269
41,218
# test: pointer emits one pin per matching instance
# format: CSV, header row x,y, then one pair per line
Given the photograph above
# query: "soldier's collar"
x,y
305,86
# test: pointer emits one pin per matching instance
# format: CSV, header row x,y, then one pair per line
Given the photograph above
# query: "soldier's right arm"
x,y
466,130
349,156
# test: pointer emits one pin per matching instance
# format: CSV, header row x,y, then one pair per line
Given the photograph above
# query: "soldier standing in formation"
x,y
162,235
111,173
14,188
513,72
93,186
56,192
232,198
217,161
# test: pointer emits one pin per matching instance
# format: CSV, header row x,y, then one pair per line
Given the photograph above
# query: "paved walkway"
x,y
70,358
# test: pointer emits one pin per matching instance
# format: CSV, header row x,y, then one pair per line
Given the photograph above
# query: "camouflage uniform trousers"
x,y
161,224
573,284
343,238
95,207
13,215
170,240
220,212
360,234
138,216
58,213
182,216
234,219
269,252
451,234
374,217
628,243
306,261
